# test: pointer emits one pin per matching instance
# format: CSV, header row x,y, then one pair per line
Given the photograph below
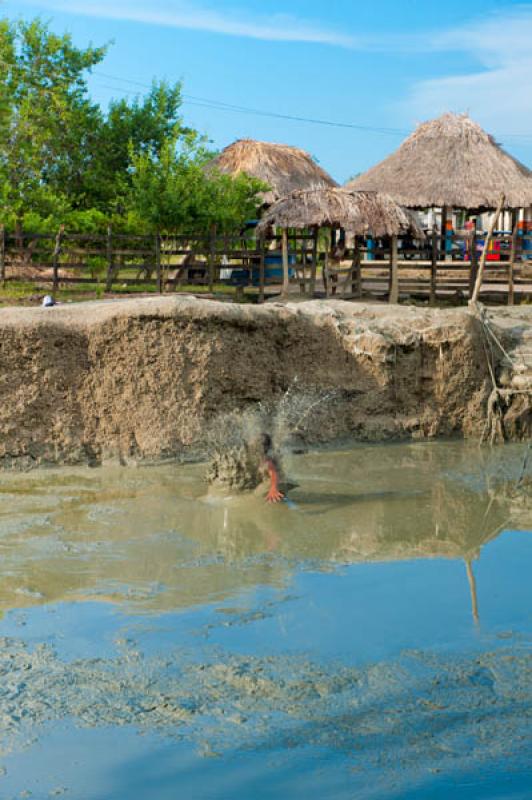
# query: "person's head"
x,y
266,443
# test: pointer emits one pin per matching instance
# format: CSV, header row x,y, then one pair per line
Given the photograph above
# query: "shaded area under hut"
x,y
284,168
353,215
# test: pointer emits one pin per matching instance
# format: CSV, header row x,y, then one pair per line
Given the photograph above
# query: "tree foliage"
x,y
64,159
176,190
46,118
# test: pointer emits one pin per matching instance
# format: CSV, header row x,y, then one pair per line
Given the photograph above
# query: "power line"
x,y
218,105
209,103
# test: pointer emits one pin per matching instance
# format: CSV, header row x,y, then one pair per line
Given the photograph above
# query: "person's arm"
x,y
274,495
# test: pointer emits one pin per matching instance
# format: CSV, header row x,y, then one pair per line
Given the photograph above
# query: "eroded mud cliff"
x,y
140,379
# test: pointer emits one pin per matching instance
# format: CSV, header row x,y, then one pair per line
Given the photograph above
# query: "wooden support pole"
x,y
433,268
356,278
158,263
511,265
444,218
3,254
286,274
55,257
212,256
480,276
110,262
262,270
474,264
326,276
394,271
303,279
314,265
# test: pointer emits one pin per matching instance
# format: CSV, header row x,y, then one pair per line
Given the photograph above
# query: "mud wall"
x,y
138,379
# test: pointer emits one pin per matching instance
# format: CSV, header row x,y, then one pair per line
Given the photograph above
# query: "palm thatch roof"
x,y
450,161
282,167
357,213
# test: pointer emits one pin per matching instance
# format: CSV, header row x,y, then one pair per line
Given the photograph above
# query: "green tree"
x,y
138,126
176,190
62,159
47,120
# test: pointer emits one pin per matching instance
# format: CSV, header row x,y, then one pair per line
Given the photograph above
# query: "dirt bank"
x,y
139,379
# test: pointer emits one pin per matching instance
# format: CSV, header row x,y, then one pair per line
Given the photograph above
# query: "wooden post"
x,y
394,272
212,256
262,270
474,264
326,276
444,218
356,277
433,268
110,263
286,275
55,257
511,265
158,263
303,279
3,254
314,265
480,275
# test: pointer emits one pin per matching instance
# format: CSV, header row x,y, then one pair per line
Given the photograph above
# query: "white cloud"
x,y
192,16
498,91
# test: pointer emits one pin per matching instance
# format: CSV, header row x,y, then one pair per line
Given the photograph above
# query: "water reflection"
x,y
151,540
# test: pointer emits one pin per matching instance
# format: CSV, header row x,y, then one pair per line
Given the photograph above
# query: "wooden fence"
x,y
436,268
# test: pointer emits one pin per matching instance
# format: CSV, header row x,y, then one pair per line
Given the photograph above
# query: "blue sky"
x,y
386,64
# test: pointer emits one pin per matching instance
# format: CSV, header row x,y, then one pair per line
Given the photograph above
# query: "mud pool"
x,y
372,640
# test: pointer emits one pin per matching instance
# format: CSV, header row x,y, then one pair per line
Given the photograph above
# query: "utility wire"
x,y
243,109
218,105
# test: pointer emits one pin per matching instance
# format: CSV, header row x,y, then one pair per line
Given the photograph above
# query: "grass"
x,y
31,293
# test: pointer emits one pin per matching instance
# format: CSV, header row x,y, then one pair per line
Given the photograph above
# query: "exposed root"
x,y
499,400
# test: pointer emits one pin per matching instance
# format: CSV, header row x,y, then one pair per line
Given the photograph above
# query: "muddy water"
x,y
369,640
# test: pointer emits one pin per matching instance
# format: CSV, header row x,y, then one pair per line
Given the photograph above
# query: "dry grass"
x,y
450,161
283,168
358,213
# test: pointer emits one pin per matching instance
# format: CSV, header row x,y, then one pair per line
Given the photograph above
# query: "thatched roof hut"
x,y
450,161
282,167
357,213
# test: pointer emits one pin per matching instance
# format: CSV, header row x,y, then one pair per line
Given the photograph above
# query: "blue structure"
x,y
273,271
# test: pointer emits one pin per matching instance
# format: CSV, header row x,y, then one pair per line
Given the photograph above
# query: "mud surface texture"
x,y
141,380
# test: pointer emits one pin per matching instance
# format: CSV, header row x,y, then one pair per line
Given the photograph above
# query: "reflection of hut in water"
x,y
282,167
155,542
460,523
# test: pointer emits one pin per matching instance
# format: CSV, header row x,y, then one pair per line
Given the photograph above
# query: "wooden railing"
x,y
435,268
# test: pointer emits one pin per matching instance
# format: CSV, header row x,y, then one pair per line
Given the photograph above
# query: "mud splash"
x,y
234,441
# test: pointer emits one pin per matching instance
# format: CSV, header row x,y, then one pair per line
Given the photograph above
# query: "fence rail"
x,y
437,268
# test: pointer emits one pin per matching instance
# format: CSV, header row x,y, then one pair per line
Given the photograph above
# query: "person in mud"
x,y
272,470
247,466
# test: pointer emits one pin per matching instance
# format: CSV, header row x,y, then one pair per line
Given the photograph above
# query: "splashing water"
x,y
234,441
